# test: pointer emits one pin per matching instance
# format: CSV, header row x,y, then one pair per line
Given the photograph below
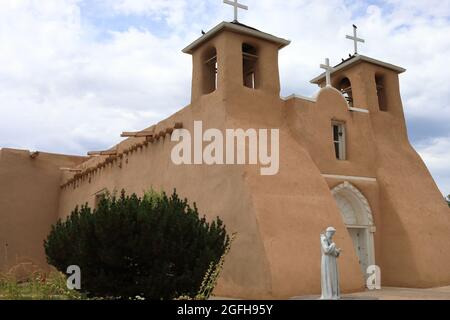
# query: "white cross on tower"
x,y
328,70
355,38
236,6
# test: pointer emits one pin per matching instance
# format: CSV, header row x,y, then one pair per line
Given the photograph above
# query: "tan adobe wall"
x,y
412,220
279,218
29,191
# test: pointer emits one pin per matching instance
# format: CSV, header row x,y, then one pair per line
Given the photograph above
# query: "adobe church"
x,y
344,161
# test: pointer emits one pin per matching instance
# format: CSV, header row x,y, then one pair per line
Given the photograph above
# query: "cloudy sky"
x,y
74,74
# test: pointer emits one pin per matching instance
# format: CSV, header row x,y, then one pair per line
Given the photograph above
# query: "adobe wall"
x,y
217,190
29,191
416,219
277,251
279,218
310,127
293,207
411,217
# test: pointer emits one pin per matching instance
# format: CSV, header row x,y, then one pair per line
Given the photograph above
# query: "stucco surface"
x,y
29,196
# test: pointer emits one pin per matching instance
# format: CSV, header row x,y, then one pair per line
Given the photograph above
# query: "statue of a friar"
x,y
329,272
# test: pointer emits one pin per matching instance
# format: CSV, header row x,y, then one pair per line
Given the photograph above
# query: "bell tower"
x,y
367,84
233,59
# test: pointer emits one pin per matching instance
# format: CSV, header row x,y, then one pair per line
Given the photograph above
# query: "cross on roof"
x,y
355,38
328,70
236,6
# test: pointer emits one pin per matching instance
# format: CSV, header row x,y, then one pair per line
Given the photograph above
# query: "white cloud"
x,y
172,10
66,88
63,92
436,154
414,8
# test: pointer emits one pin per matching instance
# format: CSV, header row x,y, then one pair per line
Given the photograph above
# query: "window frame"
x,y
341,151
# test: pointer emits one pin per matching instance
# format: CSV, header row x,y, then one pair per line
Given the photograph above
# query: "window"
x,y
99,196
381,93
210,71
250,64
339,140
346,89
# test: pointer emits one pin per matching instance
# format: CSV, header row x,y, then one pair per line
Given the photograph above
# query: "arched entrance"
x,y
357,215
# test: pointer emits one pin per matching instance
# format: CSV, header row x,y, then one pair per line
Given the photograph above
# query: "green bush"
x,y
448,200
155,247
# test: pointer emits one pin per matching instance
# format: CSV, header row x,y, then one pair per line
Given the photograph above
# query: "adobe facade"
x,y
345,161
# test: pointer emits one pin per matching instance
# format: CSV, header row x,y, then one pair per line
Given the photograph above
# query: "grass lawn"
x,y
51,287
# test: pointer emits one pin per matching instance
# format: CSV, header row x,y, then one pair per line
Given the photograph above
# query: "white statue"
x,y
329,272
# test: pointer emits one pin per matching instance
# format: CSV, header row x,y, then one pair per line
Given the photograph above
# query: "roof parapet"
x,y
238,28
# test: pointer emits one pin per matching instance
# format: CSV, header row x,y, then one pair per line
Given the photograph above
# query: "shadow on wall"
x,y
395,246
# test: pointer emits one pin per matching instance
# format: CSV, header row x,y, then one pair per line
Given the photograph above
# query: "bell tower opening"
x,y
381,92
210,71
345,87
250,66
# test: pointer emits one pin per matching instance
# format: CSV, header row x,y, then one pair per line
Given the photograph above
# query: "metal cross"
x,y
355,38
328,71
236,6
